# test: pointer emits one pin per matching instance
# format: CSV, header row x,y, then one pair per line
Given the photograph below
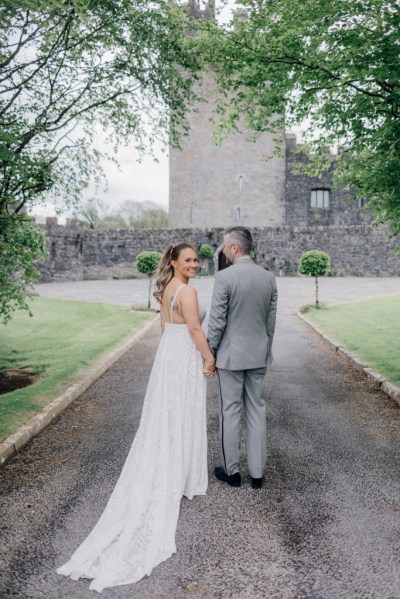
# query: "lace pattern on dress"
x,y
168,459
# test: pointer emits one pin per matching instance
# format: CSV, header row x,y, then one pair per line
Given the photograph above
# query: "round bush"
x,y
147,262
206,251
314,264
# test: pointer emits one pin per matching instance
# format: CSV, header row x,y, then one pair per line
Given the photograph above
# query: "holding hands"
x,y
209,368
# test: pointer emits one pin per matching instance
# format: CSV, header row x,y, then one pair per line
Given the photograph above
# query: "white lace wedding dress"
x,y
168,459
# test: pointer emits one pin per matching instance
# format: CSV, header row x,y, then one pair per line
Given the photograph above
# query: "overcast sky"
x,y
134,180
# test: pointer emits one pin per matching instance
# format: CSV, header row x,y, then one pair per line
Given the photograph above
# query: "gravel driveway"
x,y
324,526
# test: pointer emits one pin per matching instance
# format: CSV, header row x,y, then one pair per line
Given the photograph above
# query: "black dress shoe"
x,y
256,483
234,480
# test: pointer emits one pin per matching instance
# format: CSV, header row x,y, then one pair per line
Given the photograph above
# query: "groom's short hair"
x,y
242,237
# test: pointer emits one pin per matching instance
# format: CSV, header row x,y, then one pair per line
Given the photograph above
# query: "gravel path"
x,y
324,526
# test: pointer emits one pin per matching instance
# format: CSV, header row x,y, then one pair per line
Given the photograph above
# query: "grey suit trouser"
x,y
237,388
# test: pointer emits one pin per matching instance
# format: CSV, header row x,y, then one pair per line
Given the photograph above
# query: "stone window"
x,y
191,214
237,213
320,198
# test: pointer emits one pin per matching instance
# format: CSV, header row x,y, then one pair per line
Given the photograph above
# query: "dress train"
x,y
168,459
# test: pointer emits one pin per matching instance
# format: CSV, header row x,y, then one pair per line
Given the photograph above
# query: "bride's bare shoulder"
x,y
189,292
170,289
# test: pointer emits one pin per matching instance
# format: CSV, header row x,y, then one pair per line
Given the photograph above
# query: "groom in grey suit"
x,y
240,333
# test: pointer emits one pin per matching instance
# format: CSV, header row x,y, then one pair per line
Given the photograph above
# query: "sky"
x,y
139,181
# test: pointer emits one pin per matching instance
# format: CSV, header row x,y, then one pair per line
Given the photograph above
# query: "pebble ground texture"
x,y
324,526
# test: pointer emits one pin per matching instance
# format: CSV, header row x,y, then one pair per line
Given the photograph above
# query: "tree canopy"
x,y
332,64
128,215
20,242
69,69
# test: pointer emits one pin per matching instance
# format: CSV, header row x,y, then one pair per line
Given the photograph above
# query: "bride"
x,y
168,457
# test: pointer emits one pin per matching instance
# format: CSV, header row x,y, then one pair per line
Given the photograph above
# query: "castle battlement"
x,y
52,222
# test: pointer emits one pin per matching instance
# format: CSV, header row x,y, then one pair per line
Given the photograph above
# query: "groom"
x,y
240,332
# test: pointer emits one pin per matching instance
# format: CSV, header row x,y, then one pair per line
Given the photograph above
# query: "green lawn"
x,y
58,344
370,329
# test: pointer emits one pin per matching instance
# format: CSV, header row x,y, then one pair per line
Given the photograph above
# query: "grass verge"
x,y
370,329
61,341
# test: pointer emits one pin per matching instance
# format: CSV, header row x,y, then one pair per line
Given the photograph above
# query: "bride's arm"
x,y
190,311
162,321
162,324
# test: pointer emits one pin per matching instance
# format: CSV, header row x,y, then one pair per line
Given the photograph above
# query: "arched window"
x,y
320,198
237,213
191,214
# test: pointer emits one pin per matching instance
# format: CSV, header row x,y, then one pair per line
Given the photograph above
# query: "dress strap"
x,y
173,301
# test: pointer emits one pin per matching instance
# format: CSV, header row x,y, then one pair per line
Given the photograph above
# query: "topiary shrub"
x,y
147,264
206,251
206,254
315,264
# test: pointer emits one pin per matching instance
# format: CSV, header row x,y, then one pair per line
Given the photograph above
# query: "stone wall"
x,y
354,251
78,253
342,211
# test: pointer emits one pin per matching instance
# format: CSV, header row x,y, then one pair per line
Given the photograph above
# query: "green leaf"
x,y
147,262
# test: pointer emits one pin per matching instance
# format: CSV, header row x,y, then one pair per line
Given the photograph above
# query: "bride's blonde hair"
x,y
165,270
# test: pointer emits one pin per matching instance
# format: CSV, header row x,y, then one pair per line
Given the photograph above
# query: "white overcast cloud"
x,y
134,180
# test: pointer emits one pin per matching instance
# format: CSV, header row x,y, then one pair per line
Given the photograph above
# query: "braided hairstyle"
x,y
165,270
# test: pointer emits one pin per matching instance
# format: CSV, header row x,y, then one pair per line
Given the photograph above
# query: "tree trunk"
x,y
316,292
148,301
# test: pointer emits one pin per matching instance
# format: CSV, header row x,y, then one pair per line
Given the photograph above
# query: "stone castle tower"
x,y
235,182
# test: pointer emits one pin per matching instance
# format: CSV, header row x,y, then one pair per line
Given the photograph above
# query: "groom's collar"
x,y
245,258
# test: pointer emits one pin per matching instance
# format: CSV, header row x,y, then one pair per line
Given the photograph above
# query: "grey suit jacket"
x,y
242,317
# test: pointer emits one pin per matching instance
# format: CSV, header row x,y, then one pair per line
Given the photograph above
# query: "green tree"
x,y
315,263
147,264
151,218
334,65
91,212
71,68
206,251
130,215
21,242
112,221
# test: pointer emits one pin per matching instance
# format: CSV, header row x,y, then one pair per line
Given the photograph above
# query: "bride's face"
x,y
187,263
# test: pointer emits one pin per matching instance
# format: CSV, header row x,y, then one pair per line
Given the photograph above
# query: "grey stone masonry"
x,y
354,251
65,250
78,253
243,178
342,209
234,182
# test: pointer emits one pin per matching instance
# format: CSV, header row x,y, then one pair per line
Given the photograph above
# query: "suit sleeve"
x,y
218,314
271,318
